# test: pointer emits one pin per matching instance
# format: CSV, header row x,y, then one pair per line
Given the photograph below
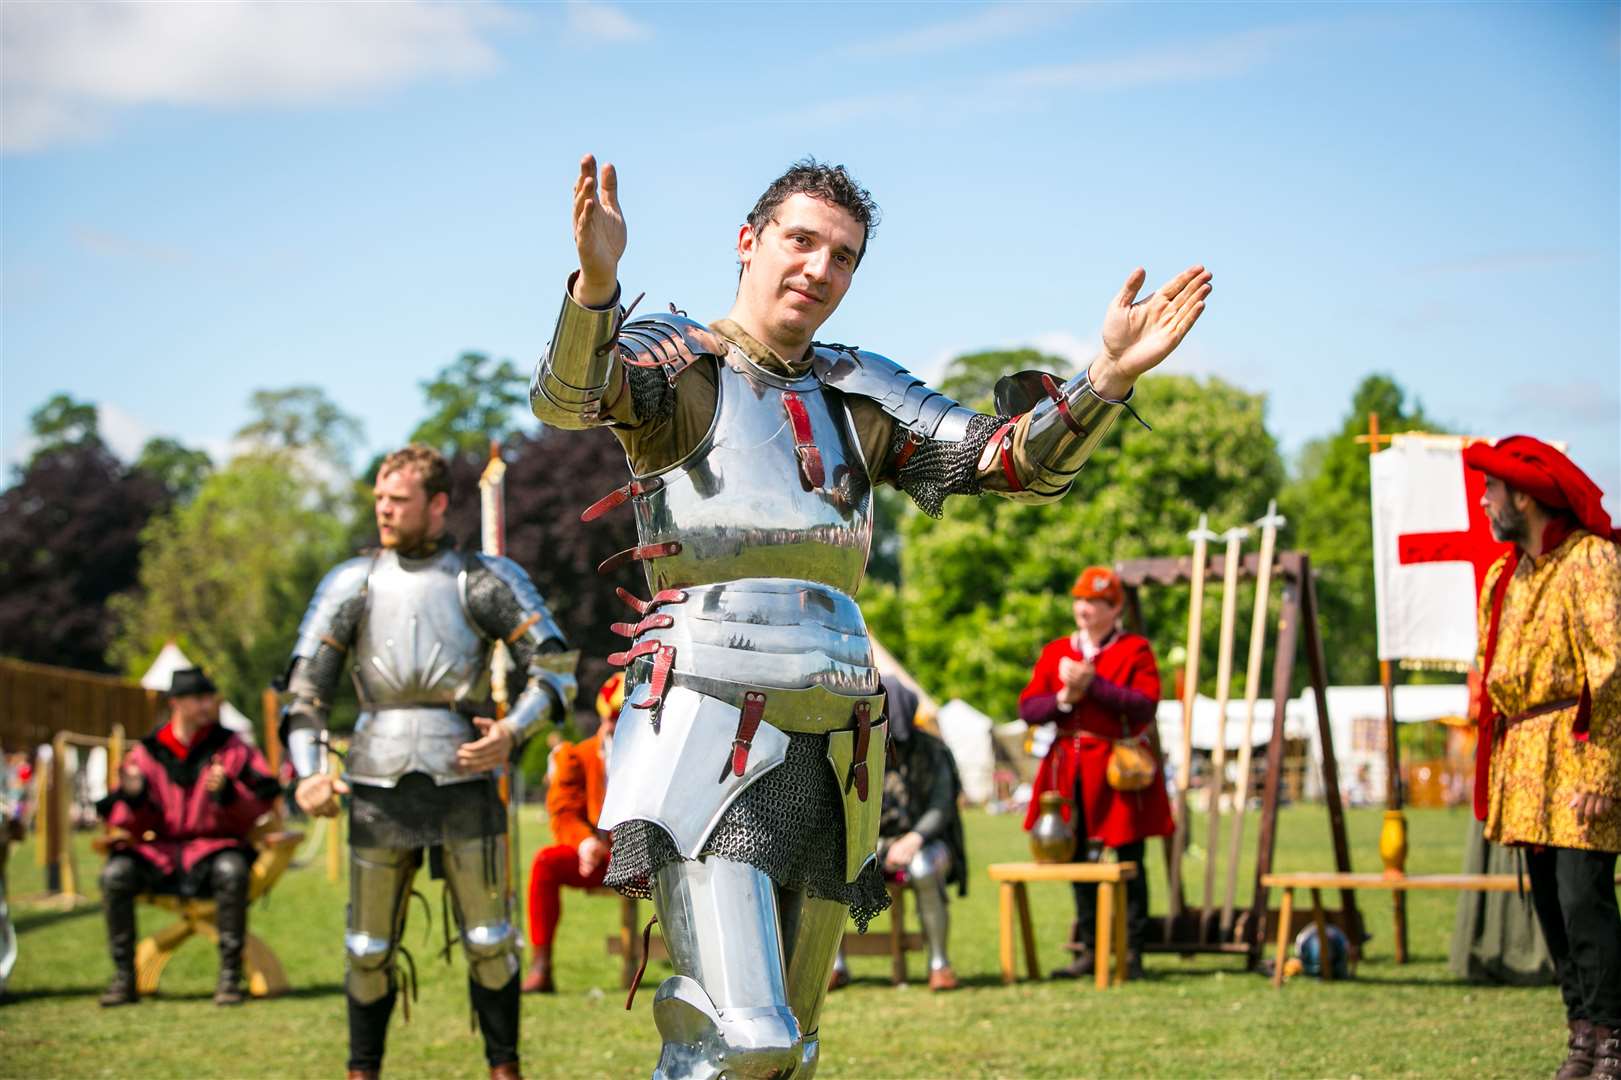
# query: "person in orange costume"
x,y
579,858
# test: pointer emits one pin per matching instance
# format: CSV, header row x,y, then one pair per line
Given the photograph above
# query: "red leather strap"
x,y
663,662
642,607
748,722
1056,392
641,969
863,718
913,441
636,630
619,496
640,649
640,551
1003,438
811,472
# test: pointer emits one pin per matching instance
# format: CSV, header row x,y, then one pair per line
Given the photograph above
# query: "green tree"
x,y
471,401
179,468
986,586
301,421
1330,517
64,422
228,576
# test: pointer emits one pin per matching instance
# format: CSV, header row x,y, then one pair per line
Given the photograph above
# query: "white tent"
x,y
161,674
967,732
231,717
1356,717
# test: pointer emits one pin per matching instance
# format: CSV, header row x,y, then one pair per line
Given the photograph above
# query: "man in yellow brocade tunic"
x,y
1548,775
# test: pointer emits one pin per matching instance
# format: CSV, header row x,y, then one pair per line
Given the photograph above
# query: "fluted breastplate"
x,y
416,645
778,489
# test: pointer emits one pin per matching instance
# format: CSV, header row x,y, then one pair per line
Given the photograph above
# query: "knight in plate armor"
x,y
420,618
746,785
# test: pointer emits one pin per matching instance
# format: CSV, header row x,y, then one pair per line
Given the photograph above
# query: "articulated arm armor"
x,y
1066,423
595,358
324,638
506,605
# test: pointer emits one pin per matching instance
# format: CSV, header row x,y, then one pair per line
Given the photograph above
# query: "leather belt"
x,y
1540,710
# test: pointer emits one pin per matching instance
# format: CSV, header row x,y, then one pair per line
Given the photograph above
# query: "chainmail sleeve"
x,y
932,469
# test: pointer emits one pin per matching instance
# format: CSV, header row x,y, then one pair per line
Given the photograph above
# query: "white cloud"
x,y
69,66
989,23
604,22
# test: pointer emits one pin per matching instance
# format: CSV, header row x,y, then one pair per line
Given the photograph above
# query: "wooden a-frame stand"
x,y
1180,929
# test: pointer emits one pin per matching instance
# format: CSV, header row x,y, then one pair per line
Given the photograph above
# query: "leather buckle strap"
x,y
636,630
1061,403
811,472
1540,710
641,969
913,441
635,652
663,662
642,607
862,713
748,722
621,495
1004,437
640,551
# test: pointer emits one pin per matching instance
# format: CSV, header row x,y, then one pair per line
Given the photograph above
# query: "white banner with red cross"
x,y
1432,546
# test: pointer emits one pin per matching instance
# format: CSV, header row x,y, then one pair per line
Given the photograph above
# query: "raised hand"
x,y
1138,334
599,233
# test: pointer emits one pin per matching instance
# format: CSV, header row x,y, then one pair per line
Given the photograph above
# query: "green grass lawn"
x,y
1204,1017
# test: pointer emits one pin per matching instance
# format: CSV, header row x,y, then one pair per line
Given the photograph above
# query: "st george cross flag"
x,y
1432,546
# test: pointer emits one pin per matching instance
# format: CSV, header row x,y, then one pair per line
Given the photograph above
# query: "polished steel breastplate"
x,y
751,502
416,645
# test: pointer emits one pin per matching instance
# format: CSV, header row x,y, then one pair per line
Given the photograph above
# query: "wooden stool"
x,y
1111,880
261,970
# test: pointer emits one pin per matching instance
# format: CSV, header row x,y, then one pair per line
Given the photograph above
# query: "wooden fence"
x,y
37,701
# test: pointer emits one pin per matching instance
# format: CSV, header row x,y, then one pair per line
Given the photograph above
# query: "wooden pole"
x,y
1224,685
1393,834
270,714
1201,538
334,849
1252,689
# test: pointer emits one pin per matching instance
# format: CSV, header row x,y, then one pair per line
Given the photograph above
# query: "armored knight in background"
x,y
745,789
420,617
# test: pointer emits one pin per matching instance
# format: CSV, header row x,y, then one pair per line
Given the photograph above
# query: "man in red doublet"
x,y
1099,685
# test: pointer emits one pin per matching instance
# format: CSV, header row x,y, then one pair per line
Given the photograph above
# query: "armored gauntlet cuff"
x,y
549,695
580,366
1065,427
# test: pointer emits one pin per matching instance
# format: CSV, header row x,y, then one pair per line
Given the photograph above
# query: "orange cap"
x,y
1099,583
611,696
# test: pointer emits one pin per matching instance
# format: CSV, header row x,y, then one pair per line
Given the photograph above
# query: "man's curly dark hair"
x,y
829,183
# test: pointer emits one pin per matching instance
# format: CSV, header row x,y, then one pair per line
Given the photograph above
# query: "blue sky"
x,y
202,200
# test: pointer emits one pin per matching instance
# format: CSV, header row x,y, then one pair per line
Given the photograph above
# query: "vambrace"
x,y
311,684
932,469
549,694
580,365
1067,422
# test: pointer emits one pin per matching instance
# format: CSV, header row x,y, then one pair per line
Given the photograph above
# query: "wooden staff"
x,y
1252,688
493,526
1224,685
1201,538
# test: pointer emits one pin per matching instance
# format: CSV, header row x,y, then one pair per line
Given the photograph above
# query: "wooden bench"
x,y
261,971
1317,882
1111,880
627,943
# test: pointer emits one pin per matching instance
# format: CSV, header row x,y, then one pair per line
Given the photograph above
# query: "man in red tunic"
x,y
1098,685
187,797
579,858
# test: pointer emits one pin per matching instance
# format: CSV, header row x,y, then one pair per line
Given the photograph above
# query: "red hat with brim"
x,y
1532,466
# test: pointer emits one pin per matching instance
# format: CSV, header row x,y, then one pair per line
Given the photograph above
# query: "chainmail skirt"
x,y
789,824
418,813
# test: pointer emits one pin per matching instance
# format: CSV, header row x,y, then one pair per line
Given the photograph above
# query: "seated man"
x,y
187,797
579,859
920,839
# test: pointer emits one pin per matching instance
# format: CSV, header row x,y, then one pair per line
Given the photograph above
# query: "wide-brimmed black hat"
x,y
190,682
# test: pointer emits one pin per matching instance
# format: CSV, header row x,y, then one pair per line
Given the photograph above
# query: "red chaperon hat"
x,y
1532,466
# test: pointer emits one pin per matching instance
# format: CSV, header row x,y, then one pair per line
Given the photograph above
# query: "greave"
x,y
935,915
